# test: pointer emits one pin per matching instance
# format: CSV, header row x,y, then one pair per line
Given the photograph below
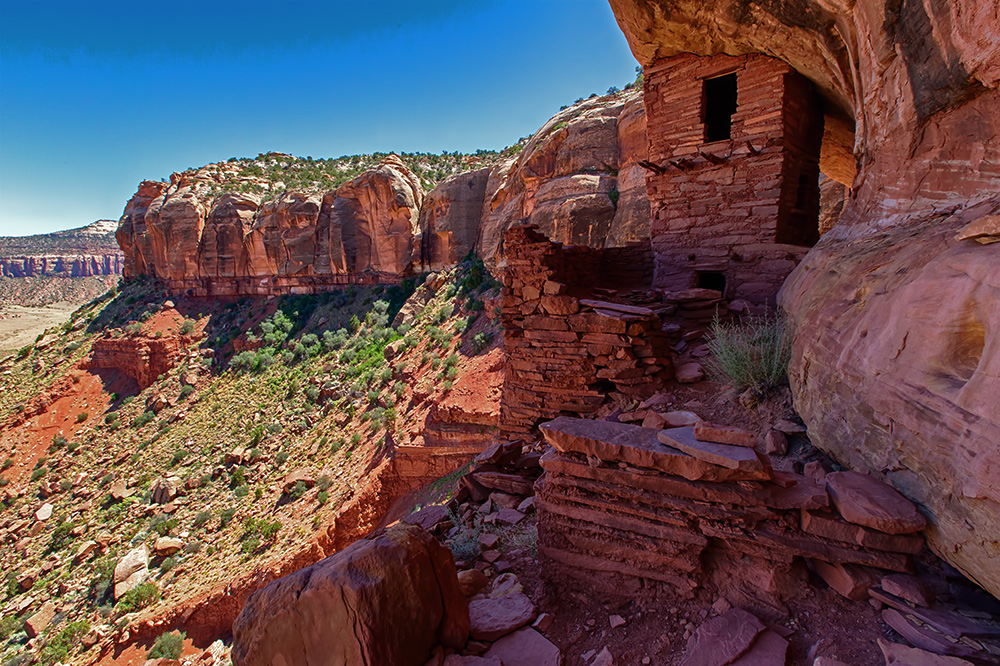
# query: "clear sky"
x,y
96,96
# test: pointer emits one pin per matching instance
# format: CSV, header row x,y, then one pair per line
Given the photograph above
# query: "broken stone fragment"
x,y
37,623
775,443
44,513
689,373
525,647
851,581
901,655
726,455
864,500
166,546
721,434
472,581
493,618
723,639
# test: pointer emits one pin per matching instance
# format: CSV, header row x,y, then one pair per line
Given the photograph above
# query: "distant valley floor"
x,y
20,325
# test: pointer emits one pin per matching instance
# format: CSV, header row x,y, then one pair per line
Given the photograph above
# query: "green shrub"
x,y
281,458
750,354
298,490
324,482
202,518
241,491
138,598
7,464
167,564
179,455
60,645
167,646
226,517
481,341
187,327
162,524
39,473
312,393
258,532
186,391
142,420
59,441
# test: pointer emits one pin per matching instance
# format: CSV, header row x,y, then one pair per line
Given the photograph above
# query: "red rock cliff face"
x,y
577,179
233,244
897,332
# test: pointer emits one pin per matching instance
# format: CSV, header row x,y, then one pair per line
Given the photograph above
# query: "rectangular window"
x,y
718,107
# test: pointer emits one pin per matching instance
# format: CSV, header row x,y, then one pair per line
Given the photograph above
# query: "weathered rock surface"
x,y
896,349
577,178
449,219
383,600
131,570
229,244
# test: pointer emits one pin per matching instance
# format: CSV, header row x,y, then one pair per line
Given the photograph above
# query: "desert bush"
x,y
59,646
187,327
752,353
465,543
167,646
186,391
481,341
82,416
226,517
202,518
138,598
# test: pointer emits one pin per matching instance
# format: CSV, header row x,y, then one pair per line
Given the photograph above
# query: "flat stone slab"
x,y
924,637
724,639
725,455
946,622
901,655
493,618
634,445
864,500
525,647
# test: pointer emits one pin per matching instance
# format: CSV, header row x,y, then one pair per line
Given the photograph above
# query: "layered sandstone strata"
x,y
638,509
895,352
565,350
235,244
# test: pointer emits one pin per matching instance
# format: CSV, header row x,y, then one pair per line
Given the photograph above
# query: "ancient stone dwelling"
x,y
734,145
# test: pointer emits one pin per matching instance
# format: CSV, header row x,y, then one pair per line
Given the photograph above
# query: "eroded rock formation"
x,y
894,364
236,243
577,179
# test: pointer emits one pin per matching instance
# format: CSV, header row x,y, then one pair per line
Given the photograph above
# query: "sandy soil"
x,y
20,325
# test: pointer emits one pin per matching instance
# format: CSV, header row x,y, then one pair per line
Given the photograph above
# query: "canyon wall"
x,y
577,178
897,333
240,244
62,265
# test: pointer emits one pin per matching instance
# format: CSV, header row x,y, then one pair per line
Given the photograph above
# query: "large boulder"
x,y
131,571
897,327
387,599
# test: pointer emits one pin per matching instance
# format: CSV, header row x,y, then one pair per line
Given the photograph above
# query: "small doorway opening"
x,y
712,280
718,107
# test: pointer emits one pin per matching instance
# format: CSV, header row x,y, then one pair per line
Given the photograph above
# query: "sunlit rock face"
x,y
235,243
577,178
896,363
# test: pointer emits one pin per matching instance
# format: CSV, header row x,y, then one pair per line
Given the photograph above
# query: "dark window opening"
x,y
718,107
712,280
801,194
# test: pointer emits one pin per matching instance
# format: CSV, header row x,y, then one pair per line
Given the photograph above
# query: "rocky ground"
x,y
165,458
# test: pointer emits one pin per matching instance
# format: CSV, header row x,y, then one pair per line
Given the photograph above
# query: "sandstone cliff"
x,y
83,252
577,178
207,235
894,365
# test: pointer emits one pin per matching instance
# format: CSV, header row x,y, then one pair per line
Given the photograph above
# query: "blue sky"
x,y
96,96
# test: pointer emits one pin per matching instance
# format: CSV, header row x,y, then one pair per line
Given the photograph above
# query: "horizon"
x,y
80,116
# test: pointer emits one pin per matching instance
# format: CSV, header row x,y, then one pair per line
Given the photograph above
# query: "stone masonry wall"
x,y
640,510
746,207
566,352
